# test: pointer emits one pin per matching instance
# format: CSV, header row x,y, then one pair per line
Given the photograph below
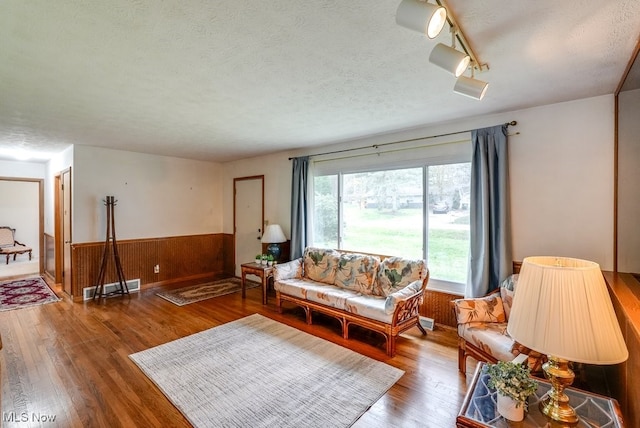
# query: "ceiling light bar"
x,y
470,87
459,35
421,16
449,59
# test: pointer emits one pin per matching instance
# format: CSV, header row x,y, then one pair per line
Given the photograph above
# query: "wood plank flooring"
x,y
69,361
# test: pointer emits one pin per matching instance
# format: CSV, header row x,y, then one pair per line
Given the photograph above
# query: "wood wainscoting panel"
x,y
436,305
229,250
622,378
50,256
178,258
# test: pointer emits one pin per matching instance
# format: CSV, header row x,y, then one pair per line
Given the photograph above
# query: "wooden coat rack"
x,y
110,243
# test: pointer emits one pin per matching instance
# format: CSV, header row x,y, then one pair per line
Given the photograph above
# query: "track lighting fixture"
x,y
449,59
470,87
421,16
429,19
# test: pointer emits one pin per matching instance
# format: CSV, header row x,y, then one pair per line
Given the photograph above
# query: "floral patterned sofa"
x,y
482,328
381,294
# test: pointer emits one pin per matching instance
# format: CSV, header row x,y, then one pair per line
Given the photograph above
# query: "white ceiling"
x,y
227,79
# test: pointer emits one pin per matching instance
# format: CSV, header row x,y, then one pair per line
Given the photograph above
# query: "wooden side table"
x,y
263,271
479,408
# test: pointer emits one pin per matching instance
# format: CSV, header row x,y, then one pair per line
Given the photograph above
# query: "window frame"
x,y
460,155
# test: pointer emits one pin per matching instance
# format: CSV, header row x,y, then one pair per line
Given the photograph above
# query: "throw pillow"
x,y
320,264
482,309
395,273
356,272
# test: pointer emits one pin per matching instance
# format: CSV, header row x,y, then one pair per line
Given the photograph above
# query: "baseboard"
x,y
133,285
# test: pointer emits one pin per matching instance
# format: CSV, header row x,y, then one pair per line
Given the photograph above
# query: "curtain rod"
x,y
376,146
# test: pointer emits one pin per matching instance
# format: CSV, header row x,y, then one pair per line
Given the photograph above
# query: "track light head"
x,y
450,59
470,87
422,17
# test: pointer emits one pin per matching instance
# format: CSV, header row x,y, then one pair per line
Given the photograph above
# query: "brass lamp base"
x,y
555,403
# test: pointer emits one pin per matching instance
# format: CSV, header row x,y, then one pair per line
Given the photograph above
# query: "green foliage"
x,y
326,218
512,380
394,276
316,257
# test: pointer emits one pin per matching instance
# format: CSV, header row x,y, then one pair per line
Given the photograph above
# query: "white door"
x,y
248,218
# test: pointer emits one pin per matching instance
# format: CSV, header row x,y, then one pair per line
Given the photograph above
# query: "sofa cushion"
x,y
507,289
490,337
395,273
320,264
369,307
356,272
393,299
330,295
314,291
487,309
297,287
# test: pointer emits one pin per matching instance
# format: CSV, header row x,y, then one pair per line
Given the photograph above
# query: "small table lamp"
x,y
562,308
274,235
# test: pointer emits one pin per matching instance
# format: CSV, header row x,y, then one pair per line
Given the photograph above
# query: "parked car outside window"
x,y
440,208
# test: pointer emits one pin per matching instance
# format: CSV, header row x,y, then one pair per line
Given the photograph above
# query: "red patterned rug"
x,y
23,293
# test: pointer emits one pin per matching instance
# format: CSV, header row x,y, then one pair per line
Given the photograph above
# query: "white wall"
x,y
561,168
19,169
157,196
60,162
19,202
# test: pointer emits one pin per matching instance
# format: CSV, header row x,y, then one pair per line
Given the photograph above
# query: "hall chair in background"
x,y
9,246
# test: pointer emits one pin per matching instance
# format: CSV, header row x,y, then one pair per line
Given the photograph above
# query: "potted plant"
x,y
270,260
514,385
258,258
263,259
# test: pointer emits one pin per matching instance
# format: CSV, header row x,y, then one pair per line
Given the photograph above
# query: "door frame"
x,y
235,181
40,182
58,219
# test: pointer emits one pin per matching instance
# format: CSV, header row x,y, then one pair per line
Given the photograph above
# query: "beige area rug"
x,y
257,372
197,293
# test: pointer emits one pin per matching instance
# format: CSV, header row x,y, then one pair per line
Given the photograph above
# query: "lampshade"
x,y
562,308
450,59
421,16
273,234
470,87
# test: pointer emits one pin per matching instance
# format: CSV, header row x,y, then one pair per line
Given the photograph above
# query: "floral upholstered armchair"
x,y
482,328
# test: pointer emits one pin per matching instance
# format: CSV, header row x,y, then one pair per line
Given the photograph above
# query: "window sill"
x,y
448,287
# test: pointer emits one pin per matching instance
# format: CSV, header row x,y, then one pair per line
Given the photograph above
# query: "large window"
x,y
383,212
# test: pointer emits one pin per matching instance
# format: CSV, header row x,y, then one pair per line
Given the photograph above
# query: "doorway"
x,y
248,218
22,208
62,219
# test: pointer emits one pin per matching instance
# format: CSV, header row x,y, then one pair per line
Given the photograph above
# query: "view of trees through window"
x,y
382,212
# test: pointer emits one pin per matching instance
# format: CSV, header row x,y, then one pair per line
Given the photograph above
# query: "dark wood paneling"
x,y
229,251
622,378
436,306
49,256
178,257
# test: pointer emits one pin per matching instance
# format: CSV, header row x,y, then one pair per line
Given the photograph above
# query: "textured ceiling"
x,y
236,78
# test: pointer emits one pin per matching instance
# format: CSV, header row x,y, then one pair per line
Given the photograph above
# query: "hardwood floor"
x,y
70,361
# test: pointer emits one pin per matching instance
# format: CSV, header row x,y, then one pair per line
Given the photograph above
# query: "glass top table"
x,y
480,410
